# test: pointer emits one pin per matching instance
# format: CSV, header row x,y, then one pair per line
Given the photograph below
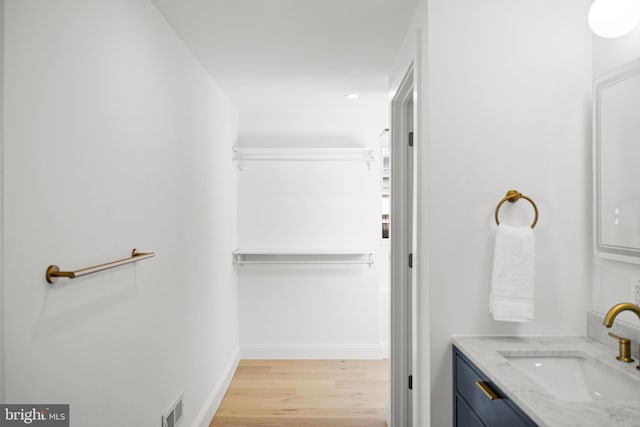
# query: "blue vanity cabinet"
x,y
473,407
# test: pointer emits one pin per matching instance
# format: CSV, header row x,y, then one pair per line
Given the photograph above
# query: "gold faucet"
x,y
617,309
624,343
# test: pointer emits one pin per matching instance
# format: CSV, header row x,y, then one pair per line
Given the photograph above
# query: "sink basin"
x,y
575,378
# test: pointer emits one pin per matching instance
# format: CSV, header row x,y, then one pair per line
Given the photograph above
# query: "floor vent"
x,y
173,416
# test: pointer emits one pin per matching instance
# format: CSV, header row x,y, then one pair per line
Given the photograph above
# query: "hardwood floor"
x,y
306,393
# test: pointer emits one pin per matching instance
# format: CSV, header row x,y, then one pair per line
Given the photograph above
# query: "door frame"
x,y
402,295
3,320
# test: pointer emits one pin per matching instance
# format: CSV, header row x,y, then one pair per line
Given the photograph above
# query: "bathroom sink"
x,y
575,378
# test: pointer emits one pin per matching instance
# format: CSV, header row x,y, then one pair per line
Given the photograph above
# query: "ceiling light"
x,y
352,96
614,18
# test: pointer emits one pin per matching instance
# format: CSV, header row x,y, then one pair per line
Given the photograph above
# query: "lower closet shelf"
x,y
297,256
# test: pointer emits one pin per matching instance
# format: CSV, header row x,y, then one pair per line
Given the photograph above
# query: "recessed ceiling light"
x,y
352,96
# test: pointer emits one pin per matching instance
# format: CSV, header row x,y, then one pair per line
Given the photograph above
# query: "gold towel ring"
x,y
513,196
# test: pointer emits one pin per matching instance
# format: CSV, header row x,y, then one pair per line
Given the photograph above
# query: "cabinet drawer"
x,y
493,413
465,415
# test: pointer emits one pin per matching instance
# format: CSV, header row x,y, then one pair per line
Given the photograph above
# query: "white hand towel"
x,y
512,281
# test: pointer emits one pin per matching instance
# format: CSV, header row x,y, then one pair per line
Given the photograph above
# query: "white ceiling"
x,y
293,52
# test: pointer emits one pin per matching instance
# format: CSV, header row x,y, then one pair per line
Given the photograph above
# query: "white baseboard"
x,y
315,351
215,398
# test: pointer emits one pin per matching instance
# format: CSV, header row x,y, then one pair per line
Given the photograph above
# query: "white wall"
x,y
115,138
321,311
506,99
1,200
413,56
609,54
612,280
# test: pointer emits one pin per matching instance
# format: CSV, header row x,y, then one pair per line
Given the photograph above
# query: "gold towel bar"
x,y
513,196
53,272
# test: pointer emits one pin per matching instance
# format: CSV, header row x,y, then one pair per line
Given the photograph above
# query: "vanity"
x,y
478,402
542,381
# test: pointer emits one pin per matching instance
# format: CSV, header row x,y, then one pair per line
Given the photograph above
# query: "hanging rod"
x,y
54,273
242,154
275,256
368,261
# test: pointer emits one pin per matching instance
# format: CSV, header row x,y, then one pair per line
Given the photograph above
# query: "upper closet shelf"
x,y
298,256
240,155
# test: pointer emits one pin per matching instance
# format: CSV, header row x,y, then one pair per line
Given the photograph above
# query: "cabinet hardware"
x,y
487,390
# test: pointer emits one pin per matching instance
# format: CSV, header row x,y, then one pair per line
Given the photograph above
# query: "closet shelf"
x,y
241,155
297,256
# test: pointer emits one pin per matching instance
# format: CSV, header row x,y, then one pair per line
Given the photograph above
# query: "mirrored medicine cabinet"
x,y
616,155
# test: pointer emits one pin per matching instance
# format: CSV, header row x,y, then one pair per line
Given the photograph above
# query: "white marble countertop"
x,y
544,409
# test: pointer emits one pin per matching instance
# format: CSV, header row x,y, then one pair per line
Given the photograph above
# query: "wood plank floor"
x,y
306,393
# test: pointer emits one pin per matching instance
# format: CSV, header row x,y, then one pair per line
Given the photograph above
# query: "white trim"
x,y
214,400
421,380
315,351
400,229
3,321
